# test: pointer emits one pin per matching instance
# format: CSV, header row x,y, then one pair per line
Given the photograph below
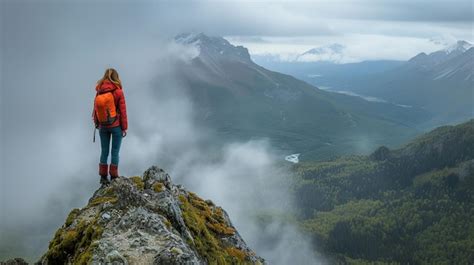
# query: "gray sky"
x,y
382,29
53,52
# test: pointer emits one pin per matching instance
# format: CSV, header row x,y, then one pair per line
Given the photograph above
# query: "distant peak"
x,y
419,56
459,46
189,38
330,53
334,47
215,47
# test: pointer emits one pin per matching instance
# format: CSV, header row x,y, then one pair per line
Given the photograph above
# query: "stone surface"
x,y
15,261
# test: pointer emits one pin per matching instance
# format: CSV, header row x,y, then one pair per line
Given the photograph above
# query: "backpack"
x,y
105,108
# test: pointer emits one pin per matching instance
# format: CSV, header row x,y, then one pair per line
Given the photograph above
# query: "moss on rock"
x,y
73,246
158,187
138,181
104,199
72,215
237,253
208,226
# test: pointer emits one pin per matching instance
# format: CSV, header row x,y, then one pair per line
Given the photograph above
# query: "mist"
x,y
52,55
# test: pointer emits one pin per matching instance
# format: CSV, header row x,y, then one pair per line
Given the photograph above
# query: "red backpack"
x,y
105,108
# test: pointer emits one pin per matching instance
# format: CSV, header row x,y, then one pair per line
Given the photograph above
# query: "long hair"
x,y
112,75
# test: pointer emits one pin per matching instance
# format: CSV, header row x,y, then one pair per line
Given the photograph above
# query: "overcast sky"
x,y
370,29
380,29
53,52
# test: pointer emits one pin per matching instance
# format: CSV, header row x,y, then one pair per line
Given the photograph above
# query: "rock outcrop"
x,y
148,220
15,261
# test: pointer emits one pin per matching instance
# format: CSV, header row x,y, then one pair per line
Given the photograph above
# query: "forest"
x,y
412,205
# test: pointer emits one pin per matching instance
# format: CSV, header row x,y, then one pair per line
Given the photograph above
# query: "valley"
x,y
440,82
242,100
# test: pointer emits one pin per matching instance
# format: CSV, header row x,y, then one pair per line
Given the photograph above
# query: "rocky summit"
x,y
148,220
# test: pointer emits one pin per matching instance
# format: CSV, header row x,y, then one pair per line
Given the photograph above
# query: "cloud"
x,y
388,10
320,18
358,47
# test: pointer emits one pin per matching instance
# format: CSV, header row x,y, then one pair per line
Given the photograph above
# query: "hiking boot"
x,y
103,174
113,171
104,181
103,170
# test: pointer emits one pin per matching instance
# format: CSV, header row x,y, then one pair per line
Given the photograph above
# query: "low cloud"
x,y
357,47
52,59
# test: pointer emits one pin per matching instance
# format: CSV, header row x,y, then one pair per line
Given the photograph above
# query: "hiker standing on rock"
x,y
110,117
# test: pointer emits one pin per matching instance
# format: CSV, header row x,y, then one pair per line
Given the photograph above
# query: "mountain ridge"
x,y
439,82
242,99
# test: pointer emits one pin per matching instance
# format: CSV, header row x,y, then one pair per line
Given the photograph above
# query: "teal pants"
x,y
107,134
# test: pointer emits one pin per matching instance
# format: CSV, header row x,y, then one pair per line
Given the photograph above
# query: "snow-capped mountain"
x,y
214,51
459,47
428,61
456,61
328,53
214,47
460,67
440,82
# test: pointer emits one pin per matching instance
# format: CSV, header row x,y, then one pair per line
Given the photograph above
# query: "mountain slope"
x,y
244,100
327,74
441,82
148,221
412,205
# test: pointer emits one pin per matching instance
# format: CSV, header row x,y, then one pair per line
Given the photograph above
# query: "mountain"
x,y
455,62
329,53
148,220
441,82
325,66
243,100
412,205
326,73
422,60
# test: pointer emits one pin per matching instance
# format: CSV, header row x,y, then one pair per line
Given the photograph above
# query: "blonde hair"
x,y
112,75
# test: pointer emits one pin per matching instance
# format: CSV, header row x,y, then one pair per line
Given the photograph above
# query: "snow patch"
x,y
458,46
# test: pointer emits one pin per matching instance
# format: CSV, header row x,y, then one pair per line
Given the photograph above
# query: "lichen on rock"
x,y
148,220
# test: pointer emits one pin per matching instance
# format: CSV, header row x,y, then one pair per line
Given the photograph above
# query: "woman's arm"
x,y
123,111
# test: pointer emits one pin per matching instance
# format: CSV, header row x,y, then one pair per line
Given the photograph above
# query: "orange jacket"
x,y
119,97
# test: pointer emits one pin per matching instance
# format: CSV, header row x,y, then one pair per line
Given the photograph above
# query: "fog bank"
x,y
52,55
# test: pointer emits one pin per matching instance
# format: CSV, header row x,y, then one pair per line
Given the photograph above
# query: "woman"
x,y
110,116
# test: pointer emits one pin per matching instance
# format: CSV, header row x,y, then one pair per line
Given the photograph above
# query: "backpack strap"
x,y
117,101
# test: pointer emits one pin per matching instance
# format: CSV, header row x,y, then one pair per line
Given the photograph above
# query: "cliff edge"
x,y
148,220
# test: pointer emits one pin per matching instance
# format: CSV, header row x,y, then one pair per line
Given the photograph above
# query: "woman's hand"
x,y
124,133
